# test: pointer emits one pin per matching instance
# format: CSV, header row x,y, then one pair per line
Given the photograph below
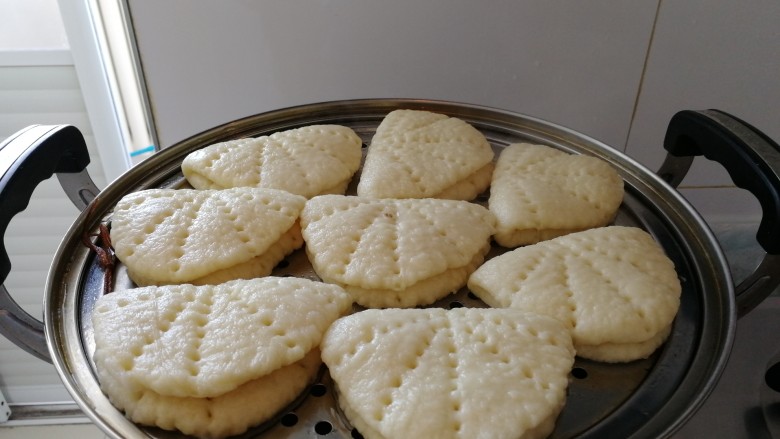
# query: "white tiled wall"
x,y
575,63
710,54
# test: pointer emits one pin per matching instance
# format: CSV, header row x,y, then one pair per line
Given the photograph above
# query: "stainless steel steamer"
x,y
643,399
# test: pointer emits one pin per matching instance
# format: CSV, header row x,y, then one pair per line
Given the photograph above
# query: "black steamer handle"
x,y
27,158
752,160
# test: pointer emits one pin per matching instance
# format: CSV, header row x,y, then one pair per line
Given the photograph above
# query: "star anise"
x,y
105,254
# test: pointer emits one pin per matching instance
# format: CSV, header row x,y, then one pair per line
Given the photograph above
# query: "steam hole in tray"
x,y
284,263
318,390
772,377
579,373
322,428
456,304
473,296
289,420
356,434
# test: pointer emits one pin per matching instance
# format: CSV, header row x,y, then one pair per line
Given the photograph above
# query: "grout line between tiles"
x,y
642,76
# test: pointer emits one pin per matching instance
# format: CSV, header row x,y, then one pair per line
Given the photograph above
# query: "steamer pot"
x,y
642,399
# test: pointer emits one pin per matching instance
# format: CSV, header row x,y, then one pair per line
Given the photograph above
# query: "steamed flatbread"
x,y
232,413
539,192
395,253
203,341
308,161
171,236
461,373
240,351
420,154
614,287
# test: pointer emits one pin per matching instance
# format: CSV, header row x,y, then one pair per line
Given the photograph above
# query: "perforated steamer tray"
x,y
316,412
647,398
